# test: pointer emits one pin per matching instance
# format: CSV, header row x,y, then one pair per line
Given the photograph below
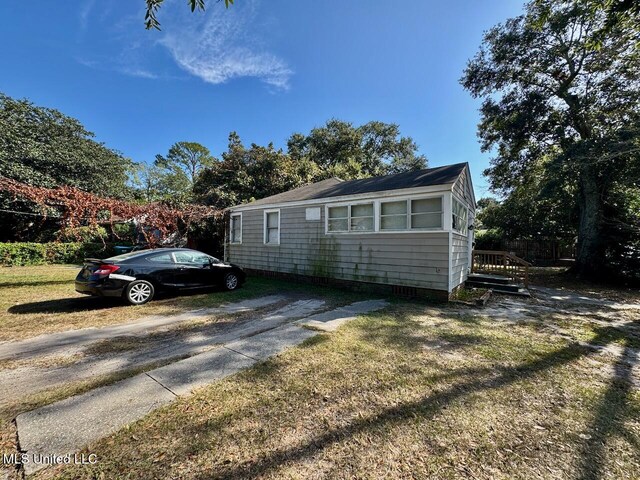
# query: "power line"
x,y
30,213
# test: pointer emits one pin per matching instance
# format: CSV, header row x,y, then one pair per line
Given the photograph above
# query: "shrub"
x,y
83,234
488,240
29,253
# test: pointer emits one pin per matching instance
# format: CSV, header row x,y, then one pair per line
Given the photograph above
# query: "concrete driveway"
x,y
50,361
231,338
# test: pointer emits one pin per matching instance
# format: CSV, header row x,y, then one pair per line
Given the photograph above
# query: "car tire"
x,y
231,281
139,292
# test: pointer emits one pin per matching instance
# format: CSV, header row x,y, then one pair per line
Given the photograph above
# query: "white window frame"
x,y
410,213
348,217
454,198
406,215
265,232
231,241
377,209
373,204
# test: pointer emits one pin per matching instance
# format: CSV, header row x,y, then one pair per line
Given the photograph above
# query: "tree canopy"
x,y
48,159
176,173
336,149
561,109
45,148
341,149
245,174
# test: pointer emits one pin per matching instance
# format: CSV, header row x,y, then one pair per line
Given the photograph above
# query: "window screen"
x,y
236,228
426,213
393,215
338,219
272,228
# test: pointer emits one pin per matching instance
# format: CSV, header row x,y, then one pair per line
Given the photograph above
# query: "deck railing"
x,y
501,263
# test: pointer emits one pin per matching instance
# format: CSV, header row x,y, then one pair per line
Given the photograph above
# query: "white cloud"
x,y
134,71
220,46
217,46
85,11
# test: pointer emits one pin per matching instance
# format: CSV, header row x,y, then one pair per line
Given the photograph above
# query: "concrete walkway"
x,y
65,342
65,427
166,347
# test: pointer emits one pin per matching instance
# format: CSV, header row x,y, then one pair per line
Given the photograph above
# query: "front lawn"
x,y
411,392
42,299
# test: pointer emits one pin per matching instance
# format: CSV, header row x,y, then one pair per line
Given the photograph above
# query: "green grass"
x,y
42,299
469,294
395,394
414,391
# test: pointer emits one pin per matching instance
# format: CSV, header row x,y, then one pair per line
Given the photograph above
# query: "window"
x,y
362,218
459,219
272,227
160,258
419,214
393,215
426,213
350,218
191,258
236,228
338,219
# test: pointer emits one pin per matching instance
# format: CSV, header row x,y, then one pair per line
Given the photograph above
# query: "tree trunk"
x,y
590,261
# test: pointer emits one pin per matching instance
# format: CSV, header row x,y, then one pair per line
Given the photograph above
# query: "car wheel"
x,y
139,292
231,281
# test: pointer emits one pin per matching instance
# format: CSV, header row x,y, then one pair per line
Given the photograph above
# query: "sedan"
x,y
138,276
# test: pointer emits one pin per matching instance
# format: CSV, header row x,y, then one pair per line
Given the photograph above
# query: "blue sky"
x,y
264,68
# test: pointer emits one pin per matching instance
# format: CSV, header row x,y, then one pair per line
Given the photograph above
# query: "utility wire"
x,y
30,213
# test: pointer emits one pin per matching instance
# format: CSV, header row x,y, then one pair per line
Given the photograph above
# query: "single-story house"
x,y
410,232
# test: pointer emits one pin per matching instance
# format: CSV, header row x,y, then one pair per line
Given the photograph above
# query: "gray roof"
x,y
334,187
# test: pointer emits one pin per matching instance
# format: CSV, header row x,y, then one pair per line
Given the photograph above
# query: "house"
x,y
410,233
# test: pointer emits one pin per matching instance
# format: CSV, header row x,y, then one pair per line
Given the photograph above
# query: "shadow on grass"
x,y
399,331
254,286
610,416
66,305
88,303
35,283
608,420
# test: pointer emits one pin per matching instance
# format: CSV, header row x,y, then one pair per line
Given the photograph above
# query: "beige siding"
x,y
463,188
410,259
459,259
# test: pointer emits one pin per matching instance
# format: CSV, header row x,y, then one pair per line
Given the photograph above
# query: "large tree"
x,y
251,173
562,83
176,173
341,149
43,147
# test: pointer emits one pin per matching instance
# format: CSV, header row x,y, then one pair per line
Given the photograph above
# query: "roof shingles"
x,y
334,187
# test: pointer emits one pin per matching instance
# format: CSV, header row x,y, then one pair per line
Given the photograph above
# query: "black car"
x,y
138,275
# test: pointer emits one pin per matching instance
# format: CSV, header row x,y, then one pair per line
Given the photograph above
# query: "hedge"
x,y
29,253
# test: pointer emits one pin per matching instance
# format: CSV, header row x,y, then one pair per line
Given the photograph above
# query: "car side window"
x,y
160,258
191,258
